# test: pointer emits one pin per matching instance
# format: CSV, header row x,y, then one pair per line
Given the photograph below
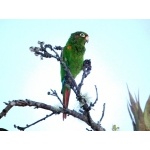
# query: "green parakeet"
x,y
72,55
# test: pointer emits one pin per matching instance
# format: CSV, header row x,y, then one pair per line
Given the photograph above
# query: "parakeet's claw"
x,y
87,65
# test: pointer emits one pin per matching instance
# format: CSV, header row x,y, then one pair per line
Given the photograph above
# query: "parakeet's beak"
x,y
87,39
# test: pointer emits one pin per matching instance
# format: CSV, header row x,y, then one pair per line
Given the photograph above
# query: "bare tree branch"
x,y
85,118
69,78
27,126
84,115
5,110
86,71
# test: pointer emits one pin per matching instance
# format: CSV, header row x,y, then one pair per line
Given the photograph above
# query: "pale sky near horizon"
x,y
119,52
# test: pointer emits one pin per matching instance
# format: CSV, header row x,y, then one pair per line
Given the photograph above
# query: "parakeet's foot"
x,y
87,64
87,67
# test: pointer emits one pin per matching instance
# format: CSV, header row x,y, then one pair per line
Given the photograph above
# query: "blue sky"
x,y
118,49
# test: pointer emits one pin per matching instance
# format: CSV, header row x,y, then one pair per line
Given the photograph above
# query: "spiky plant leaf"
x,y
147,114
133,121
135,110
142,126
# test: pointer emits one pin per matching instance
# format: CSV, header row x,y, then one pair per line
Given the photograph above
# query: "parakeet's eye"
x,y
82,34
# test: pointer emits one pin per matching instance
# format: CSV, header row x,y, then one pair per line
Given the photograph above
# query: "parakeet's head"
x,y
79,37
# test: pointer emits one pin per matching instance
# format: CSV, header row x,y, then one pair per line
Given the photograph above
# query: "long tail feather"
x,y
66,96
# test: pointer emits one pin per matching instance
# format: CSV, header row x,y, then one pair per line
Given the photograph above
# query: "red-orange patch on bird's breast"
x,y
69,47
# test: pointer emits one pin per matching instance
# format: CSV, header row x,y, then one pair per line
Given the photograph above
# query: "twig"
x,y
102,112
54,93
96,96
27,126
88,129
92,104
86,70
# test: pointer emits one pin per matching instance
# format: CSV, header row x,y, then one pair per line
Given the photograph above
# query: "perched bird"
x,y
72,55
